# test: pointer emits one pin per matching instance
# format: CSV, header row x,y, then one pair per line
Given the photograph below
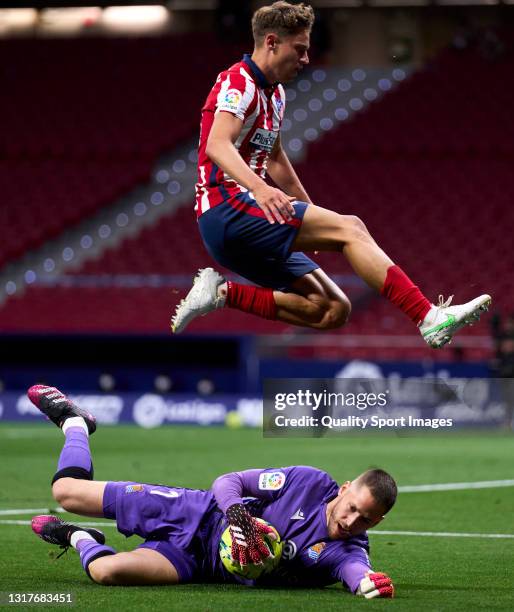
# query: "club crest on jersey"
x,y
232,100
279,104
264,139
134,488
271,481
315,551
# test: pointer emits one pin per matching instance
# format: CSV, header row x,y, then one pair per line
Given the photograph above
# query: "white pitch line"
x,y
456,486
46,510
434,534
446,534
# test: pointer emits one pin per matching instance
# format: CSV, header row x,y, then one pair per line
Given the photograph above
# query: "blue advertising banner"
x,y
463,402
145,409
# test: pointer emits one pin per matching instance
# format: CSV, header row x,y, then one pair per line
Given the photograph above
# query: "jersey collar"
x,y
257,72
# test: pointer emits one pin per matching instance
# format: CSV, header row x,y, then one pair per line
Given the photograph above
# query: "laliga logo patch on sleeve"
x,y
271,481
231,100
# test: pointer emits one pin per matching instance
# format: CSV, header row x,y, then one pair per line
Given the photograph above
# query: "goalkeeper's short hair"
x,y
381,485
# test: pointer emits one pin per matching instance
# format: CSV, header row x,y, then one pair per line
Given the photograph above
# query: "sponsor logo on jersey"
x,y
170,494
134,488
315,551
289,550
271,481
264,139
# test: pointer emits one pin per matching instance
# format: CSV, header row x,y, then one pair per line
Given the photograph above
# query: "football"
x,y
250,571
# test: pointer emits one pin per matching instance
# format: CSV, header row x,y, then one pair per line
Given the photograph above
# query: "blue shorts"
x,y
172,520
239,238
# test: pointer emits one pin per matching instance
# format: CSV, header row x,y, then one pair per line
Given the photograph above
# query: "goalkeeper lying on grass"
x,y
322,525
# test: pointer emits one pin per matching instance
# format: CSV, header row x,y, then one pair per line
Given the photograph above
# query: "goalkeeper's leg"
x,y
101,563
142,566
83,497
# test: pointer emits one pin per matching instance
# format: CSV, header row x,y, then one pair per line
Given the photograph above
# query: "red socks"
x,y
398,288
248,298
403,293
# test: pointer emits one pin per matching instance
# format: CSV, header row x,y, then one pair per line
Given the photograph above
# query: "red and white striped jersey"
x,y
243,91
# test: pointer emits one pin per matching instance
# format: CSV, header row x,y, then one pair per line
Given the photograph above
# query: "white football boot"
x,y
443,321
201,299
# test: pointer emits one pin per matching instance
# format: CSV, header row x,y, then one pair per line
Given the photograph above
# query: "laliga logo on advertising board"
x,y
152,410
149,411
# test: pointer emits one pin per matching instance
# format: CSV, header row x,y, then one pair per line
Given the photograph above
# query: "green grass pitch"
x,y
430,573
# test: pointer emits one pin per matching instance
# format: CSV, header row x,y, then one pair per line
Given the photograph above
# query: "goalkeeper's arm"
x,y
248,545
356,573
230,489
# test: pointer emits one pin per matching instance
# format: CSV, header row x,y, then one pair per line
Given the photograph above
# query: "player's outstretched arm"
x,y
221,150
356,573
376,584
283,174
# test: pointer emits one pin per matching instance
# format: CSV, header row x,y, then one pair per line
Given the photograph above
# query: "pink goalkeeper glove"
x,y
376,584
248,545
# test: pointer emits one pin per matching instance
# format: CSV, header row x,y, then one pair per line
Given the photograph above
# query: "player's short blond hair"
x,y
381,485
281,18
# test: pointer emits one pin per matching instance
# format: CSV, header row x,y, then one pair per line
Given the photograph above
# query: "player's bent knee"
x,y
324,313
337,315
102,573
315,309
70,494
356,223
109,570
353,228
61,490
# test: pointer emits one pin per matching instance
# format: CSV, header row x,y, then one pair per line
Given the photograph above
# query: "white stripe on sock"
x,y
80,535
74,422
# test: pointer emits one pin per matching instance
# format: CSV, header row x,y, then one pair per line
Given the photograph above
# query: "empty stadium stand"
x,y
85,120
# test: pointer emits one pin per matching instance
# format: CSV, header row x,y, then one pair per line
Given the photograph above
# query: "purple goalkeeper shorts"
x,y
172,521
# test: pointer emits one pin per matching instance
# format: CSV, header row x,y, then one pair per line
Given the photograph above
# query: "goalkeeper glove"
x,y
248,545
376,584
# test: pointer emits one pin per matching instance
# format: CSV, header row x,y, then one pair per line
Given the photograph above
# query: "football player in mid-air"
x,y
259,231
323,525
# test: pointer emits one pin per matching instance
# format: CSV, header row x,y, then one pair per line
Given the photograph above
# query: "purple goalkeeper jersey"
x,y
294,500
186,525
